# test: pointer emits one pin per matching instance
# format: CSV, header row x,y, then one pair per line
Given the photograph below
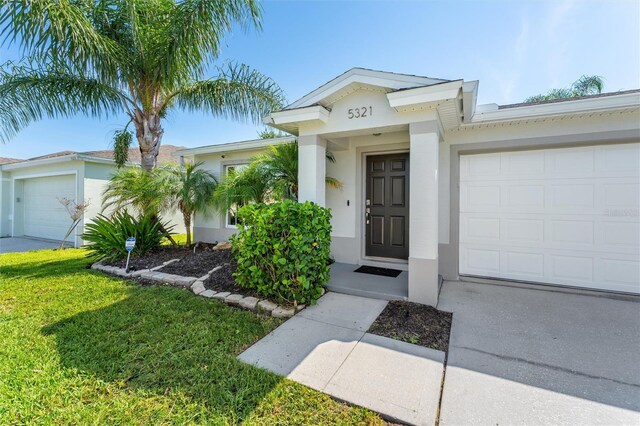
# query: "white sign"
x,y
130,243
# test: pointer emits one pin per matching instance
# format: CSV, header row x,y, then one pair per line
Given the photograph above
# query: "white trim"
x,y
235,146
225,168
469,99
578,106
46,174
424,96
61,159
40,162
299,115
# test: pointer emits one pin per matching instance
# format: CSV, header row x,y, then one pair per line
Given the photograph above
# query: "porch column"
x,y
424,285
312,165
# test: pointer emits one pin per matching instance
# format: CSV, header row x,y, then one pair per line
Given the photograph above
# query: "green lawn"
x,y
78,347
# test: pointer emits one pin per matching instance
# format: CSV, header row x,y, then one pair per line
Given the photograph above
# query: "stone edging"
x,y
196,285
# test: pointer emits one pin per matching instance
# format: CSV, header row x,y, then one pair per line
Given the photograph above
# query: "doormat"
x,y
385,272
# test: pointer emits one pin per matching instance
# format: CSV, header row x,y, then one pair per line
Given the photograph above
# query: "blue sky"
x,y
515,49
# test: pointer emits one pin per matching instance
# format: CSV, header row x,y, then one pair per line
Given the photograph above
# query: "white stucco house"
x,y
441,187
30,189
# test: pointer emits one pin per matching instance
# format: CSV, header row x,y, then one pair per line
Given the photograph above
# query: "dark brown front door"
x,y
387,206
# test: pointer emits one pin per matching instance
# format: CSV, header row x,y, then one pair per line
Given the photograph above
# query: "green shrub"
x,y
106,236
283,249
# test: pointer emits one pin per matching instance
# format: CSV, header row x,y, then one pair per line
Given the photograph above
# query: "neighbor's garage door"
x,y
559,216
44,216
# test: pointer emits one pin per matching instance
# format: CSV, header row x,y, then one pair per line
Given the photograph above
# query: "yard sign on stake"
x,y
129,245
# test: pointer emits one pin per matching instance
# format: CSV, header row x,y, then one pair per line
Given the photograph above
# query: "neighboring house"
x,y
546,192
30,189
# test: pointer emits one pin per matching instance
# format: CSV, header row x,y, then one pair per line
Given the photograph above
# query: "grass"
x,y
78,347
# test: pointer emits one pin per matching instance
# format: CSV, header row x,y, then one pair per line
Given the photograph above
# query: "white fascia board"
x,y
423,96
61,159
300,115
469,99
234,146
101,160
41,162
605,103
391,81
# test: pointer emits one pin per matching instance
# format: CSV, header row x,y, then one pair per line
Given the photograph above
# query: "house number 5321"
x,y
361,112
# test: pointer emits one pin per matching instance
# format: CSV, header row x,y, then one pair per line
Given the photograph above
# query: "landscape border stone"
x,y
197,287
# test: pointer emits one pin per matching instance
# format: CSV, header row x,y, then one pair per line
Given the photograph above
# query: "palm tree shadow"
x,y
169,343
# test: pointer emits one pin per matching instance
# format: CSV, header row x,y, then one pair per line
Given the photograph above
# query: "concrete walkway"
x,y
19,245
529,356
326,347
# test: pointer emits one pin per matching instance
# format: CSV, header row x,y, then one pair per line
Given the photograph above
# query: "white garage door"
x,y
44,216
560,216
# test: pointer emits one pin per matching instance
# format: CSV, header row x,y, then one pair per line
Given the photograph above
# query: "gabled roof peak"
x,y
361,78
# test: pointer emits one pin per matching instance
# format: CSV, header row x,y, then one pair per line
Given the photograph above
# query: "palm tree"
x,y
282,164
144,192
138,190
143,58
238,187
270,176
191,190
584,86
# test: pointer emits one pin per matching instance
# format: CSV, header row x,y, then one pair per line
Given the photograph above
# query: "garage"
x,y
44,216
565,216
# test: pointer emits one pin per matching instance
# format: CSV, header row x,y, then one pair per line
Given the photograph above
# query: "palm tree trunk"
x,y
187,226
149,134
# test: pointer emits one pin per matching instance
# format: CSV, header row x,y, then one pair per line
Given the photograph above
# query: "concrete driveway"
x,y
529,356
18,245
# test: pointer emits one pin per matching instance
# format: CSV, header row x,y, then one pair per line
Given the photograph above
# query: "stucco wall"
x,y
212,227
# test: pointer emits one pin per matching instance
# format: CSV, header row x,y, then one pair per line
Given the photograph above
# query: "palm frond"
x,y
62,29
588,85
584,86
333,182
240,187
28,95
196,31
239,92
139,190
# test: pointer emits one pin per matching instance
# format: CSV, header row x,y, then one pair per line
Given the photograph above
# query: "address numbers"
x,y
361,112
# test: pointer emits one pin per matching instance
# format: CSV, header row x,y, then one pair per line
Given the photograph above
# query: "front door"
x,y
387,206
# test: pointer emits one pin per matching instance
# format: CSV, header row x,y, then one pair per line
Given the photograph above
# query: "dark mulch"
x,y
153,259
414,323
222,280
199,263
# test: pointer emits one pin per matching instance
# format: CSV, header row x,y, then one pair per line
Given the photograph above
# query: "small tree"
x,y
76,212
191,190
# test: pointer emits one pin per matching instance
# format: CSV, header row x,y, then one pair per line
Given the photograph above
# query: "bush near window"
x,y
282,250
106,236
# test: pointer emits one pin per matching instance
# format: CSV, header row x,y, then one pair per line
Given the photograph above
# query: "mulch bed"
x,y
151,260
222,280
414,323
191,264
199,263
